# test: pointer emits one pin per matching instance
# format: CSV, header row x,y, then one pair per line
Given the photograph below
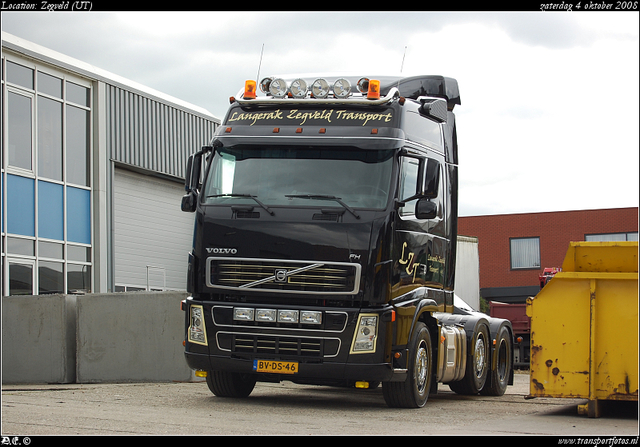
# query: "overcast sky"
x,y
550,100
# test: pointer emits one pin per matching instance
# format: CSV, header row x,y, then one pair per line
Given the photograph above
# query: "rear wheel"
x,y
477,369
499,376
228,384
414,391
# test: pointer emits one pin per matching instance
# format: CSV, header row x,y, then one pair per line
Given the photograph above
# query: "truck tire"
x,y
227,384
414,391
499,375
478,366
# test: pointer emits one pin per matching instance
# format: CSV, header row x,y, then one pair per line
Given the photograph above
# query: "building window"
x,y
525,253
45,180
612,237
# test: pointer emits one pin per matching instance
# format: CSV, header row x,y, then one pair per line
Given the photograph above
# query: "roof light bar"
x,y
277,89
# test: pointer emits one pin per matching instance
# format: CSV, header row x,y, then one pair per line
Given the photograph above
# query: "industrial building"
x,y
92,177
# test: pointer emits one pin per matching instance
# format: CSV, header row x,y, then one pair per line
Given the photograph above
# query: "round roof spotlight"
x,y
320,88
363,85
298,88
264,84
278,88
341,88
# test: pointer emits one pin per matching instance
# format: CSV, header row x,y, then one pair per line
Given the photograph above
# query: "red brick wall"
x,y
555,230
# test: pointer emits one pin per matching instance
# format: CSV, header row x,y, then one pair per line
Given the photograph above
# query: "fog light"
x,y
266,315
310,317
364,339
242,314
287,316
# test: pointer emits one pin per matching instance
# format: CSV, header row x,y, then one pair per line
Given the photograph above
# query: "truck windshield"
x,y
291,175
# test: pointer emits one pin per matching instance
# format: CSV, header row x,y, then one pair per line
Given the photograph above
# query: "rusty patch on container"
x,y
555,371
539,386
536,348
549,363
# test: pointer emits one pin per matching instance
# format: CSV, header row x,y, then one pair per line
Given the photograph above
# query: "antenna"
x,y
260,64
403,55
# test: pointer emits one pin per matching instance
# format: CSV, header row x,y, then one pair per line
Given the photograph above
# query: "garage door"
x,y
152,236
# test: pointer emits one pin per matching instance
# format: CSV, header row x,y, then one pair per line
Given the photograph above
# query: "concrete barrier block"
x,y
38,339
131,337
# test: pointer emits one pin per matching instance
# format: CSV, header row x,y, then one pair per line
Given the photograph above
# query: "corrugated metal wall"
x,y
152,135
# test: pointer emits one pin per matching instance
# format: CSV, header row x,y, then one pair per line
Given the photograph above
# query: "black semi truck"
x,y
324,246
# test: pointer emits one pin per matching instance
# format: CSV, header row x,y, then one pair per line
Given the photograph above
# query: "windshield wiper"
x,y
249,196
322,197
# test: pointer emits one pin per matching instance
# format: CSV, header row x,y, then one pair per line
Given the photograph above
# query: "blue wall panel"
x,y
78,215
50,211
21,205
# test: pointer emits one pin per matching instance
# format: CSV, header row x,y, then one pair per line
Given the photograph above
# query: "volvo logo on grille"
x,y
281,275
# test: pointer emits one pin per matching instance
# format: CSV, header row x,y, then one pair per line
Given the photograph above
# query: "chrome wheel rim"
x,y
479,357
421,367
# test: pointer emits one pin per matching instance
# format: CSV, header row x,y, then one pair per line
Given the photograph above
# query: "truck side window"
x,y
409,183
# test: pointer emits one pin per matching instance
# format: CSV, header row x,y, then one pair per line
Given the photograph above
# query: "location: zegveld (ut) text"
x,y
47,6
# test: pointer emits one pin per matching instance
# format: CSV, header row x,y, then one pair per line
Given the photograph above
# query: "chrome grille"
x,y
267,275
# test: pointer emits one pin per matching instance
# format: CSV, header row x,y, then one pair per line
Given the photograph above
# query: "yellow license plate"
x,y
274,366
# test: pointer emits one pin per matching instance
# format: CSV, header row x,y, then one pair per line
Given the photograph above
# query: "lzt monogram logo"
x,y
281,275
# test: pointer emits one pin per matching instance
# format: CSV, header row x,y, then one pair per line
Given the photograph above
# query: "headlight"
x,y
310,317
266,315
364,340
287,316
197,331
243,314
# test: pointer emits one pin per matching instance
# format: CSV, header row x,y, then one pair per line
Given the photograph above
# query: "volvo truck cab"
x,y
324,243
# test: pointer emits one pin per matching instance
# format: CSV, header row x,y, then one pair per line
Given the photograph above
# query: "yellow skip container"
x,y
584,327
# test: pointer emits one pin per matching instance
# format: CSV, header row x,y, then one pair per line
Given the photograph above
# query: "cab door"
x,y
420,246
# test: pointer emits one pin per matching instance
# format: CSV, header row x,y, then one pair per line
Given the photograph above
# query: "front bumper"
x,y
324,353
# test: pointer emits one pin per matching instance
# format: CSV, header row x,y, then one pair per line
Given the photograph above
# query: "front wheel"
x,y
228,384
414,391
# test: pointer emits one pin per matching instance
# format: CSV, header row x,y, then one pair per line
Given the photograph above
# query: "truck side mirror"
x,y
193,172
189,202
187,174
192,182
426,209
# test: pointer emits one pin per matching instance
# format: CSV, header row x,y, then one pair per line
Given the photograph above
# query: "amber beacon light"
x,y
250,89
